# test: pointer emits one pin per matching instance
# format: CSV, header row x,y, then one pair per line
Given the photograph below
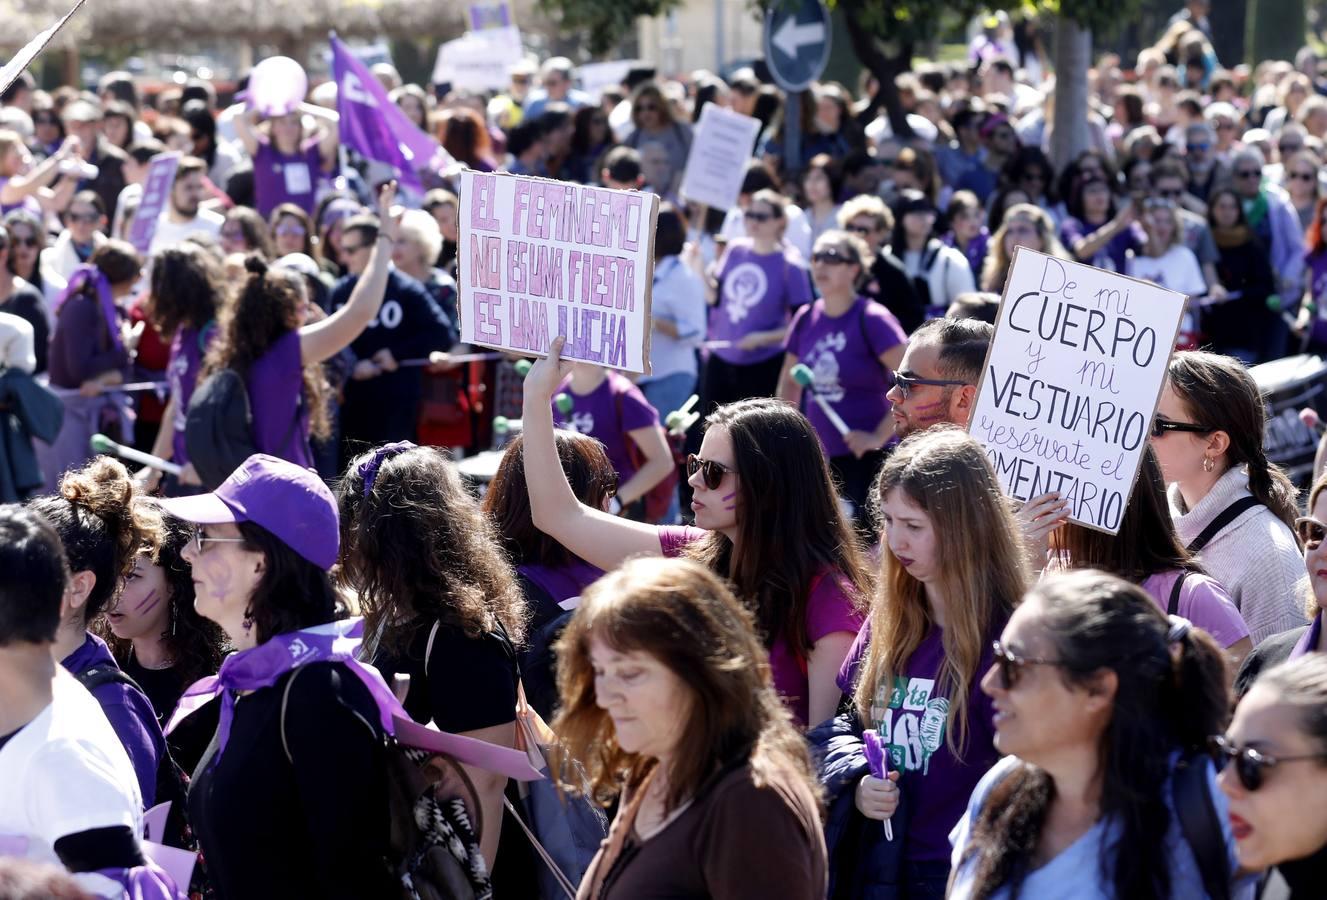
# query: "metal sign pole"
x,y
792,132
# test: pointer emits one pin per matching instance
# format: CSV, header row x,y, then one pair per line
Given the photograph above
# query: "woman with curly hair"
x,y
156,635
102,524
262,338
667,701
440,601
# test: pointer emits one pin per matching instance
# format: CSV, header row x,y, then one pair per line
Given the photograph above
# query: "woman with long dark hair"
x,y
1232,508
767,519
27,239
440,601
913,672
667,701
1098,696
1238,327
464,135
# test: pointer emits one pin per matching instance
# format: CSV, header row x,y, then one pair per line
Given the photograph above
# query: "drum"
x,y
1289,385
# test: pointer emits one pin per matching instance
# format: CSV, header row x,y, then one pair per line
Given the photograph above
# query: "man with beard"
x,y
937,378
184,215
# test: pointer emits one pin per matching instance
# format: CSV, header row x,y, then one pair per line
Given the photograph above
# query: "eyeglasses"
x,y
906,383
1248,173
1160,426
832,258
757,216
1011,665
1311,532
711,472
200,539
1249,763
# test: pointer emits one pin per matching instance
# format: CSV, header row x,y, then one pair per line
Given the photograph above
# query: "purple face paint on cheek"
x,y
728,497
148,603
930,413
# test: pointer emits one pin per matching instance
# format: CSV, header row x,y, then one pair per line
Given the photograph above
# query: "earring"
x,y
174,617
1208,464
248,624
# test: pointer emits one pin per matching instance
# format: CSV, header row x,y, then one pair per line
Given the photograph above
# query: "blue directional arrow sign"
x,y
797,43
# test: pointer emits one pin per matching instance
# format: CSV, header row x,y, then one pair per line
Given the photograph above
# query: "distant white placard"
x,y
1072,381
479,60
594,77
541,258
720,150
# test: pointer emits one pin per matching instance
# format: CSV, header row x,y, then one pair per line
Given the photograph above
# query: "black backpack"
x,y
218,428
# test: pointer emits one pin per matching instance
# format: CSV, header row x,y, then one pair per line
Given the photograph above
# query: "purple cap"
x,y
289,501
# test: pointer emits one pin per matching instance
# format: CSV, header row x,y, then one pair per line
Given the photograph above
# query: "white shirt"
x,y
679,297
170,233
17,345
1176,269
66,772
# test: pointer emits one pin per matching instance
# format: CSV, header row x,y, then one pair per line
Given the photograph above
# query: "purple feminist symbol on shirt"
x,y
745,288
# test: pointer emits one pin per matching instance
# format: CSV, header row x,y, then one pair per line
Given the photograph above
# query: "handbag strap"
x,y
1201,828
285,700
1173,607
563,881
1223,518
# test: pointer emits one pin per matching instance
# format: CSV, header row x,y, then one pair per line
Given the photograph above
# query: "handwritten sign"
x,y
541,258
1072,381
156,192
717,162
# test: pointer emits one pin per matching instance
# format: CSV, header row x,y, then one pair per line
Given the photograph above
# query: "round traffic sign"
x,y
797,43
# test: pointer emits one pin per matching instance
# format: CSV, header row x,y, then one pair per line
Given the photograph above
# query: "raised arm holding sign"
x,y
1072,381
541,258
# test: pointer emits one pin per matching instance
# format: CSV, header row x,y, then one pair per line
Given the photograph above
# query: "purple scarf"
x,y
1308,642
78,285
262,666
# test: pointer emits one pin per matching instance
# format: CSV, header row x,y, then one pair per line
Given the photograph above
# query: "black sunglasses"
x,y
1310,531
758,216
711,472
1011,665
907,382
1249,763
1161,426
832,257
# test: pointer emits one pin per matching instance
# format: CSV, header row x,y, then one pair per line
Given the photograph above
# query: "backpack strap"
x,y
1173,606
1200,825
1223,518
285,700
98,675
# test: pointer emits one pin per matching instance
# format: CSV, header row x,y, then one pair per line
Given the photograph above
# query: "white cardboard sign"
x,y
719,153
1071,383
479,60
541,258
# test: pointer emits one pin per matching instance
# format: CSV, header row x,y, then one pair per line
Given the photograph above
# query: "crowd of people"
x,y
806,648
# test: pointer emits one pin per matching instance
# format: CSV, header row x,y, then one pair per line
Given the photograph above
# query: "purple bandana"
x,y
77,285
368,470
1309,641
263,666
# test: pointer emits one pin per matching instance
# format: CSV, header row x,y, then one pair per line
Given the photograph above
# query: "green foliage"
x,y
604,22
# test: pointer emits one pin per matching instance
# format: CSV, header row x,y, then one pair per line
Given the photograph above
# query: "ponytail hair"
x,y
1171,694
100,523
1220,394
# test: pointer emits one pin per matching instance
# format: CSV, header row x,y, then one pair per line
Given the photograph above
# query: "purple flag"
x,y
375,126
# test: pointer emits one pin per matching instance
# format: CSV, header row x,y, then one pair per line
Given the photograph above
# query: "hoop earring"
x,y
1208,464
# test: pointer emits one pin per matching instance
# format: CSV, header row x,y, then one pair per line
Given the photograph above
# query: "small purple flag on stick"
x,y
375,126
878,762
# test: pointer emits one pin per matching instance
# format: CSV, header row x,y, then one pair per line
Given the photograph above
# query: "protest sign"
x,y
28,52
479,60
156,191
489,15
719,153
1072,381
595,77
542,258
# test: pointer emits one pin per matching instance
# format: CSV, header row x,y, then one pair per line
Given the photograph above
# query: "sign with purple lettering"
x,y
156,191
541,258
1072,381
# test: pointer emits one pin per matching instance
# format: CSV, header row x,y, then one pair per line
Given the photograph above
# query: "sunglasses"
x,y
1171,195
859,229
1248,173
1198,148
832,258
1161,426
1310,531
757,216
906,383
1010,665
290,230
1303,176
1249,763
84,217
711,472
27,242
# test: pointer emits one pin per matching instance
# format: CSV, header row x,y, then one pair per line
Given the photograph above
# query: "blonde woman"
x,y
1165,259
915,669
1025,225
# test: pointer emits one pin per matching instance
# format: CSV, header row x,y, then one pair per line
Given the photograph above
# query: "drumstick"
x,y
102,444
460,358
806,378
131,388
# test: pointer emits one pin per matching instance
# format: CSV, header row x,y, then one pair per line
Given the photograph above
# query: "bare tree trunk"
x,y
884,65
1073,56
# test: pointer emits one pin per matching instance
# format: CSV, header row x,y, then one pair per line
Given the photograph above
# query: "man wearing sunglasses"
x,y
1273,221
937,379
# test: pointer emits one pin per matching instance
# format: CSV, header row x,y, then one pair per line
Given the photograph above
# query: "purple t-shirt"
x,y
757,292
186,359
1203,602
912,710
28,203
564,582
128,710
276,389
844,354
607,414
278,178
829,608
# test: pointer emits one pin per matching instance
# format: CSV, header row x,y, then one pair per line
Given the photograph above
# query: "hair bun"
x,y
255,265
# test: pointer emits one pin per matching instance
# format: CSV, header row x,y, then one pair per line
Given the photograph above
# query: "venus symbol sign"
x,y
797,43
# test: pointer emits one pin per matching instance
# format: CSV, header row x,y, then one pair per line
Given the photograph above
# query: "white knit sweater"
x,y
1255,557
